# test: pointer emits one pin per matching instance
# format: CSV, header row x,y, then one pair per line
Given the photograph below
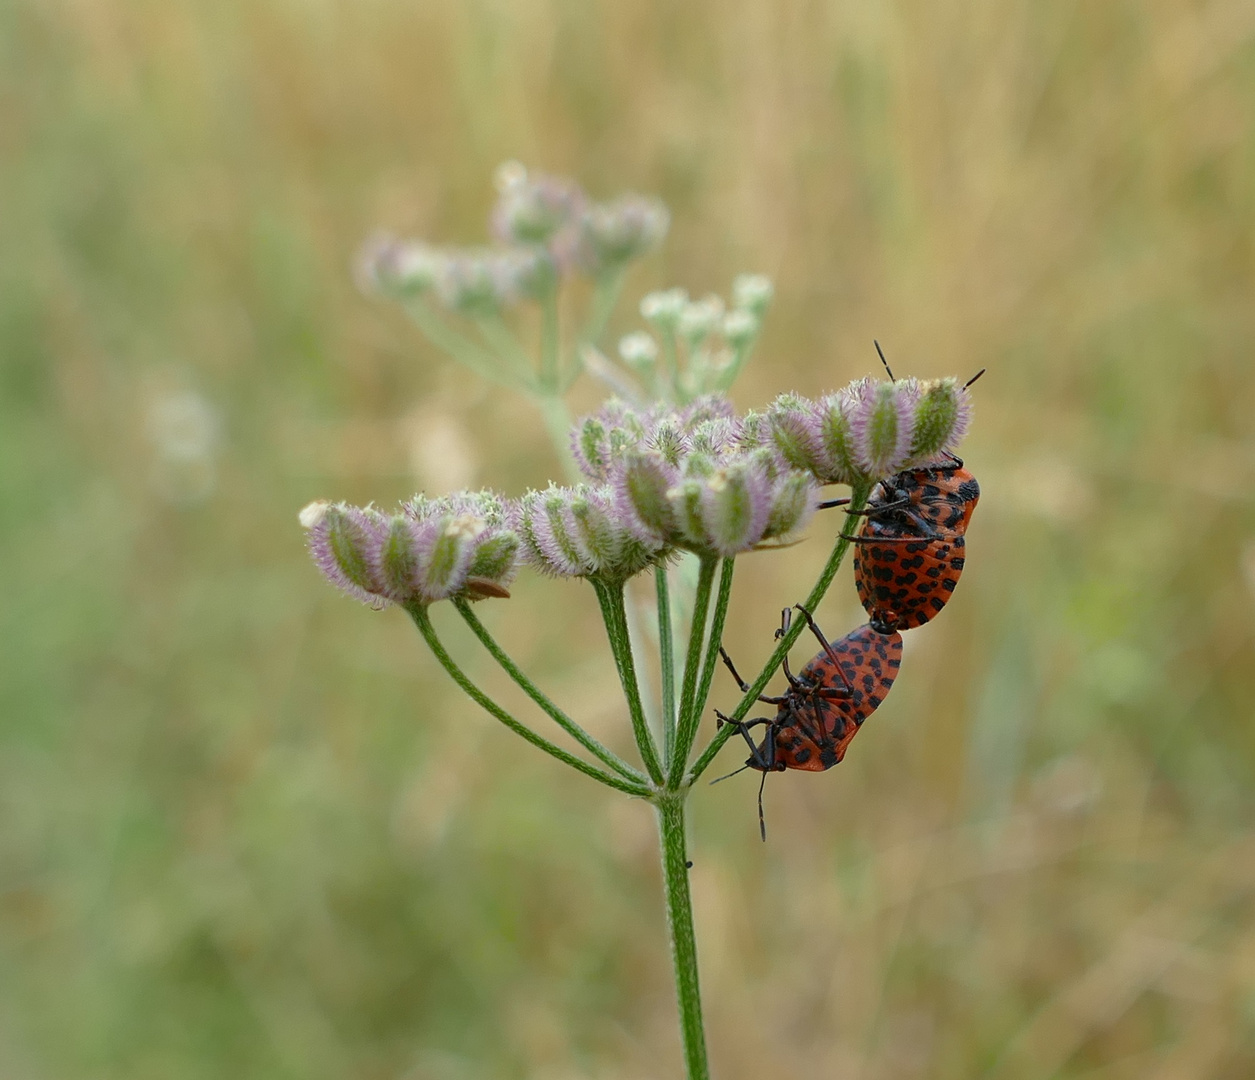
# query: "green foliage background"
x,y
248,828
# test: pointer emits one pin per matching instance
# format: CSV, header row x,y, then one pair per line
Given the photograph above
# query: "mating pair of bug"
x,y
907,562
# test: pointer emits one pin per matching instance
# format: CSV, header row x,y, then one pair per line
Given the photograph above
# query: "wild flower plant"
x,y
666,480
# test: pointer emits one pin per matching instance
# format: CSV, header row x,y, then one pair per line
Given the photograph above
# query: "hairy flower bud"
x,y
639,351
619,231
580,532
752,293
740,328
533,208
882,422
433,549
340,541
663,309
397,268
699,319
942,414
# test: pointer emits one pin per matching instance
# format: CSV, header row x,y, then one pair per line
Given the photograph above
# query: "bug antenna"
x,y
974,378
731,774
881,353
762,821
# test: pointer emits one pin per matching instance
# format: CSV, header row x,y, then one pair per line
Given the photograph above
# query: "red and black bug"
x,y
826,702
910,551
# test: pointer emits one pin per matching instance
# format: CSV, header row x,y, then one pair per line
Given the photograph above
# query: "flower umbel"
x,y
867,431
688,477
433,549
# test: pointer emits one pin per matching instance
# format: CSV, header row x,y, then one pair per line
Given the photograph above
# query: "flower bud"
x,y
752,293
663,309
641,486
699,319
942,414
792,505
599,440
616,232
735,505
882,423
579,532
472,282
740,328
531,209
639,351
429,551
795,433
340,541
396,268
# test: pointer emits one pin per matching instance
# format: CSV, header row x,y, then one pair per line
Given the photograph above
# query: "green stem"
x,y
687,726
557,420
461,348
605,296
607,756
858,498
671,352
715,639
550,342
423,621
666,652
683,942
507,347
612,612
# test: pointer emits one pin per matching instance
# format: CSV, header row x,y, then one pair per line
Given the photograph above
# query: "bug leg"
x,y
827,647
874,511
762,821
745,687
743,728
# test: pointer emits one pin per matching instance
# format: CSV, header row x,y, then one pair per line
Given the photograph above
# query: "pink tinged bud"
x,y
340,541
495,561
444,557
942,414
686,502
397,268
532,208
616,232
795,433
641,487
394,559
792,505
736,505
882,423
472,282
838,461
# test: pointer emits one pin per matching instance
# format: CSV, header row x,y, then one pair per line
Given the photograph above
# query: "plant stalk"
x,y
666,653
423,621
615,617
607,756
680,923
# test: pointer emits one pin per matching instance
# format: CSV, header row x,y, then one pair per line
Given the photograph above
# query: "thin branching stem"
x,y
604,754
422,620
462,348
688,736
686,727
857,500
615,616
666,657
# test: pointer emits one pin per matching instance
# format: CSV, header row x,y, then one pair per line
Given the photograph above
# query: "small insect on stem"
x,y
826,703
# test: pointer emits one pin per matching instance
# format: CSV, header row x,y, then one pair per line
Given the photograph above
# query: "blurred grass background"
x,y
249,829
